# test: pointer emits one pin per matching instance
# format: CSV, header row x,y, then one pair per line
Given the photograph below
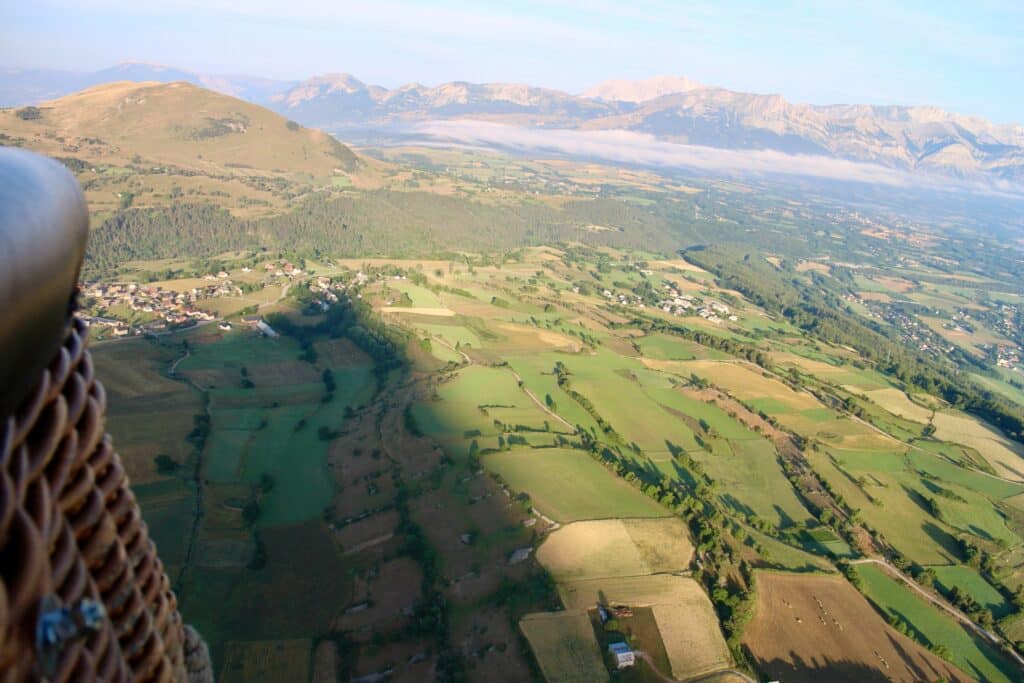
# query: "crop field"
x,y
817,628
596,493
616,547
971,655
1006,457
565,646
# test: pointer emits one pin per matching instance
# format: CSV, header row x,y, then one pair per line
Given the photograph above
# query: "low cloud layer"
x,y
620,146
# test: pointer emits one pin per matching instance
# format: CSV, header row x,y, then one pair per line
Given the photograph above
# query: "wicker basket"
x,y
71,534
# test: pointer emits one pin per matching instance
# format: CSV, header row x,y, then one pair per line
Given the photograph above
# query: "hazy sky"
x,y
964,56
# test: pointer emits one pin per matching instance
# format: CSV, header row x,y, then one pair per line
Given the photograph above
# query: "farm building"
x,y
623,655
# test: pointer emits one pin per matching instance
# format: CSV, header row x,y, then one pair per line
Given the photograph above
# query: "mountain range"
x,y
673,109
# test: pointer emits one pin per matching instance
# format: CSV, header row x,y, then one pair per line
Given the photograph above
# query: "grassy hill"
x,y
143,144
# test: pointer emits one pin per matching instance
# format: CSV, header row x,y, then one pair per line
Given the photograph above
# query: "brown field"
x,y
390,589
266,660
437,312
795,639
565,647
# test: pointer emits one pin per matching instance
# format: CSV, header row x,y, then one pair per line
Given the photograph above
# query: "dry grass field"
x,y
616,547
590,550
897,403
816,628
565,647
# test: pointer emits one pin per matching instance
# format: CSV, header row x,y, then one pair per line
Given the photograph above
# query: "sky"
x,y
967,57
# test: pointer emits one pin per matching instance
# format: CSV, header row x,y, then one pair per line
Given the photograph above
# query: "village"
x,y
131,309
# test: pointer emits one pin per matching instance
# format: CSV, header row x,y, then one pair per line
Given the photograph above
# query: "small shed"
x,y
623,655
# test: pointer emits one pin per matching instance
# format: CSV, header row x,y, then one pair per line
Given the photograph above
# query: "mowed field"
x,y
616,547
565,647
819,628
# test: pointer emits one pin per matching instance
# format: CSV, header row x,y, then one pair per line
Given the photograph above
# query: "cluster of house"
x,y
323,287
632,300
682,304
911,330
168,307
280,268
1008,356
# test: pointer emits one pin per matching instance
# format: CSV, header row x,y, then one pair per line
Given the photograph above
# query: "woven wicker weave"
x,y
70,527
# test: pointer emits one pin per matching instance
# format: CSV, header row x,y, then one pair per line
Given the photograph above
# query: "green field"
x,y
970,582
931,626
752,483
595,493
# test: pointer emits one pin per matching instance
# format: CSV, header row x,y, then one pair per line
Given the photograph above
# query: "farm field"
x,y
538,448
815,628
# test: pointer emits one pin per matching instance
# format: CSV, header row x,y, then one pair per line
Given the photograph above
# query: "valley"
x,y
542,448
